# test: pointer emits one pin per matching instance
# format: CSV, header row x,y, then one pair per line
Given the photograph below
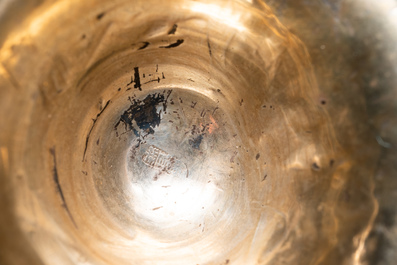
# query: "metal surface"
x,y
198,132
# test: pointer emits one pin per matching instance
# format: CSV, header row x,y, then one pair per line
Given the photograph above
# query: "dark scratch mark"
x,y
187,170
84,172
132,81
173,29
58,185
241,102
99,16
193,104
157,68
145,44
154,209
191,80
173,45
257,156
92,127
264,178
154,80
209,46
233,156
315,167
137,79
216,108
162,74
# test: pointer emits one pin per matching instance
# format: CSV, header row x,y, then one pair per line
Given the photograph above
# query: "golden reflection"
x,y
222,14
222,132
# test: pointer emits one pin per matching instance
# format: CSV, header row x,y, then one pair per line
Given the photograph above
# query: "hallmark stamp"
x,y
156,158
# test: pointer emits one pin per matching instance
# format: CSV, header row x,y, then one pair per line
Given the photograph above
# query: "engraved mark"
x,y
154,157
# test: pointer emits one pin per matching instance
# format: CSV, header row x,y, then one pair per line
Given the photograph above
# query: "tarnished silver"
x,y
198,132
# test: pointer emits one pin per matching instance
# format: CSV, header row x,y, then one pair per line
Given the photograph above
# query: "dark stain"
x,y
227,261
58,185
264,106
216,108
193,104
191,80
194,130
144,46
97,142
83,36
84,172
331,162
204,128
157,68
162,75
100,16
142,115
119,89
323,102
173,45
92,127
173,29
196,142
315,167
257,156
209,47
241,102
